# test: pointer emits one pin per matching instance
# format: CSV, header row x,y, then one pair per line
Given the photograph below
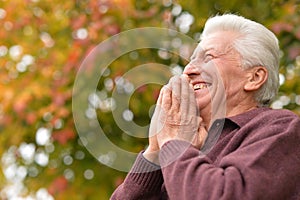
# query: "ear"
x,y
257,76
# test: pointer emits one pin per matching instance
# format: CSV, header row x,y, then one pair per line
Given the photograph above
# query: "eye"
x,y
208,57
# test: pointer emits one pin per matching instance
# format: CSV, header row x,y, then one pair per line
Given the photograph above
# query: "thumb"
x,y
200,136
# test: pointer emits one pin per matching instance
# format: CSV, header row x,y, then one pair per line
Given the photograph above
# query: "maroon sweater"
x,y
257,156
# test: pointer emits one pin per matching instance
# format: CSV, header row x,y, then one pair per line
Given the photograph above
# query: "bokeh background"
x,y
42,44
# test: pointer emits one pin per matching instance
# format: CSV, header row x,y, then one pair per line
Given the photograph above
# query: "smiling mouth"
x,y
200,86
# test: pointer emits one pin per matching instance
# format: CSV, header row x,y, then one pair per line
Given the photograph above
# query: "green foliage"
x,y
42,46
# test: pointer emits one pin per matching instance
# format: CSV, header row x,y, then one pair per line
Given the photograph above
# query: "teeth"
x,y
200,86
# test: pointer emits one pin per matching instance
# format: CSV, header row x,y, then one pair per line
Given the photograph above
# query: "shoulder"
x,y
277,116
271,122
266,122
263,116
279,113
269,125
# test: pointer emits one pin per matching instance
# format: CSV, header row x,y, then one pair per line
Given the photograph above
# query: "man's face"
x,y
215,73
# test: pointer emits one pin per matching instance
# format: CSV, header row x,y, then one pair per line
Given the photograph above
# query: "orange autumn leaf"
x,y
58,185
63,136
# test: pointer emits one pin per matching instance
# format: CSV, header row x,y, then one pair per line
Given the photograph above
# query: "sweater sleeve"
x,y
144,181
265,165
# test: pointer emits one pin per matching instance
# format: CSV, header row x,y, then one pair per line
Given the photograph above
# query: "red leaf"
x,y
156,94
20,106
281,26
293,52
78,22
141,89
297,34
58,185
63,136
31,118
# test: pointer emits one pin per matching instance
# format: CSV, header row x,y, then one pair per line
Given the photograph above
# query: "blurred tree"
x,y
42,46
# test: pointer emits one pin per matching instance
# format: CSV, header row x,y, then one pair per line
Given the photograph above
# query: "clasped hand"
x,y
176,116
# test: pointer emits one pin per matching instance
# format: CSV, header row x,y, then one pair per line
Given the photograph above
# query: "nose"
x,y
191,69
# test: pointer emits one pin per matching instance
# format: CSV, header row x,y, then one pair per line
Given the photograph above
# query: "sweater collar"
x,y
243,118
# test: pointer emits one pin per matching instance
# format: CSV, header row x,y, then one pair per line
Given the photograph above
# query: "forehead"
x,y
218,41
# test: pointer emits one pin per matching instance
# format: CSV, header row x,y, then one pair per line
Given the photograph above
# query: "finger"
x,y
193,109
155,126
200,137
184,98
188,95
158,105
175,83
166,99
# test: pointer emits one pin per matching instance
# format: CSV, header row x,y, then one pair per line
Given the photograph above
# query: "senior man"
x,y
212,135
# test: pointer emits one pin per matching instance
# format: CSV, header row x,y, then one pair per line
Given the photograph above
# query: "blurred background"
x,y
42,44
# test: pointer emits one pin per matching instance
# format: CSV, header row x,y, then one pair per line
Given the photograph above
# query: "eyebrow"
x,y
203,51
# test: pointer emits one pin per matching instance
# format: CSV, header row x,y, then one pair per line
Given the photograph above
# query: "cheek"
x,y
203,100
234,84
232,76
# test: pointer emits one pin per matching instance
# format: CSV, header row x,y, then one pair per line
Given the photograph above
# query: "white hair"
x,y
257,46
